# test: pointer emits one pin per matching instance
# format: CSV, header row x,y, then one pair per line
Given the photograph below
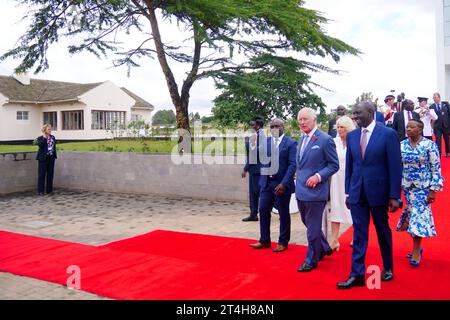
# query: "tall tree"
x,y
278,90
216,28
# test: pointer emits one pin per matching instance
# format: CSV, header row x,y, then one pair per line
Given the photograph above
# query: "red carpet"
x,y
174,265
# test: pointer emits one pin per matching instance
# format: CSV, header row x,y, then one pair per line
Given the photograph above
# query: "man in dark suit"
x,y
402,118
46,156
317,161
441,126
373,175
277,185
340,111
379,117
253,165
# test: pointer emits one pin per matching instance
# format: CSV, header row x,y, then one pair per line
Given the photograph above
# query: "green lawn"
x,y
142,146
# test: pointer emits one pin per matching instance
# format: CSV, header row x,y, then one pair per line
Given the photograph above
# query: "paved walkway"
x,y
99,217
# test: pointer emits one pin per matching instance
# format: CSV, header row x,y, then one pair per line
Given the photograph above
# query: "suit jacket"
x,y
399,123
379,117
332,132
320,156
284,174
380,172
443,120
253,161
43,148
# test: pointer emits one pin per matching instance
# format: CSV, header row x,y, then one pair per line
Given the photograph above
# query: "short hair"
x,y
346,122
419,122
259,121
369,105
310,111
280,121
44,127
437,94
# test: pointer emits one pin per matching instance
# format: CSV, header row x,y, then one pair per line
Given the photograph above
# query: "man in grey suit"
x,y
317,161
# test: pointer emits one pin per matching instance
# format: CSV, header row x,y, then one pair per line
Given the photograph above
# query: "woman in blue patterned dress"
x,y
421,179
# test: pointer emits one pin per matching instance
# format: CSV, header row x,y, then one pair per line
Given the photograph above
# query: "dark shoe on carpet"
x,y
387,275
260,245
41,194
325,253
280,248
306,268
351,282
250,218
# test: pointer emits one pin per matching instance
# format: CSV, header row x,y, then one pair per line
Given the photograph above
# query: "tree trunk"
x,y
180,103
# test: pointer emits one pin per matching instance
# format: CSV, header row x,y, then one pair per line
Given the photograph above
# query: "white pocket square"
x,y
315,147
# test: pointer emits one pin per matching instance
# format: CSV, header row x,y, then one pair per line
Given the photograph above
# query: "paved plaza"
x,y
96,218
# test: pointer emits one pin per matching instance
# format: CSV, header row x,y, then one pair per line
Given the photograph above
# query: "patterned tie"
x,y
304,143
438,107
363,145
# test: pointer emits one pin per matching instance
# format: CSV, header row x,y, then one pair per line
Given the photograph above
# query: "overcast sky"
x,y
397,38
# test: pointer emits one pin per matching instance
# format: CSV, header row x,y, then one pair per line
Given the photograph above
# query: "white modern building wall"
x,y
443,47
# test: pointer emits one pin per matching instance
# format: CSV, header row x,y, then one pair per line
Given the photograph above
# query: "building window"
x,y
51,118
73,120
107,120
136,117
22,115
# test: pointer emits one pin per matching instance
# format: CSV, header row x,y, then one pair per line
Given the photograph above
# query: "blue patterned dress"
x,y
421,173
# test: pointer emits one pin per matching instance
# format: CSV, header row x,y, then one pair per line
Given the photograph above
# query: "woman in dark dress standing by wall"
x,y
46,156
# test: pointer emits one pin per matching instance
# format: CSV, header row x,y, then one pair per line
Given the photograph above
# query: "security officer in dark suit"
x,y
401,118
46,156
442,124
340,111
253,165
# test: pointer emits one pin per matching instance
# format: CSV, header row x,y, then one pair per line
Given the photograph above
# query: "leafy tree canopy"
x,y
224,37
278,90
163,118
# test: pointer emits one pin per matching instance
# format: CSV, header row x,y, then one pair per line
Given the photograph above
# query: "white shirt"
x,y
370,129
426,119
405,116
253,145
279,139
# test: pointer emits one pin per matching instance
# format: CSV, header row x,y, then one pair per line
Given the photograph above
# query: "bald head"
x,y
341,110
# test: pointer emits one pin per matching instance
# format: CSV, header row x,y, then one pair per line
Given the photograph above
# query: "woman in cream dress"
x,y
338,212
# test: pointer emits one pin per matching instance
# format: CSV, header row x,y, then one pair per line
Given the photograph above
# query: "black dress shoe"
x,y
351,282
387,275
306,268
325,253
250,218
